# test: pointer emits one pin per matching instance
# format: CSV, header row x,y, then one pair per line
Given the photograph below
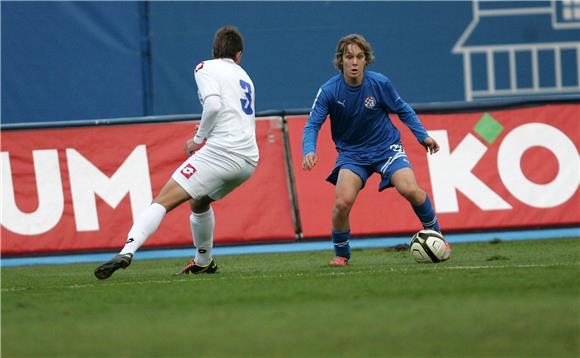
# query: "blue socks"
x,y
426,214
341,245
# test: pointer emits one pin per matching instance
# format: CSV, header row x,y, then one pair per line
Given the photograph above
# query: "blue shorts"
x,y
386,165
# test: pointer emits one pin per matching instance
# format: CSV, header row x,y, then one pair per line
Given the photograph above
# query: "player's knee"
x,y
167,204
343,205
200,205
412,193
405,189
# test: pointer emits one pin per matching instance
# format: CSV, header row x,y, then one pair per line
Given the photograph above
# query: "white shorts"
x,y
212,173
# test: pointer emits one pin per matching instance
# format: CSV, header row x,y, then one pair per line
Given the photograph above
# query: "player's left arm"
x,y
209,114
408,116
211,108
430,145
209,93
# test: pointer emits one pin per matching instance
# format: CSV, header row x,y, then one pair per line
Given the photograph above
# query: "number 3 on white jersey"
x,y
246,102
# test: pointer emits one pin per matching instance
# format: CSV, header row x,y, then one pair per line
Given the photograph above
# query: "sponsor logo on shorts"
x,y
188,171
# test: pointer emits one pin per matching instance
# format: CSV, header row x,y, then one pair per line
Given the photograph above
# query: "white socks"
x,y
144,226
202,226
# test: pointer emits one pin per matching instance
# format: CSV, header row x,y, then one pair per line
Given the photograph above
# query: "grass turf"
x,y
505,299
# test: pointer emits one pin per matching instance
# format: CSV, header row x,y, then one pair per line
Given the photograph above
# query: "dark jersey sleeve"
x,y
317,117
406,114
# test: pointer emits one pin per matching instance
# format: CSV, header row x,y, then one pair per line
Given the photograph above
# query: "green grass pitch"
x,y
516,299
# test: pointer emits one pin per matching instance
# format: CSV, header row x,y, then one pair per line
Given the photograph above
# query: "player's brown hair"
x,y
353,39
227,42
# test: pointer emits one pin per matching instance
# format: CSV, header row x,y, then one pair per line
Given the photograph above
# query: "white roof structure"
x,y
516,27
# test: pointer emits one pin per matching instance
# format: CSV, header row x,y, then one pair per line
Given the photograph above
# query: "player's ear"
x,y
238,57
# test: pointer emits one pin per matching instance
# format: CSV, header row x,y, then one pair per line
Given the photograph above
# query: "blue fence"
x,y
64,61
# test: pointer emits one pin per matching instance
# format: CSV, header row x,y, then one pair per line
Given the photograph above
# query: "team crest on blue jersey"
x,y
370,102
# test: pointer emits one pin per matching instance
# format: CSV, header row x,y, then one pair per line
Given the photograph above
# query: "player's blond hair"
x,y
353,39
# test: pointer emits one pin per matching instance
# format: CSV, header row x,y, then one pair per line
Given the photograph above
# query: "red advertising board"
x,y
500,169
77,189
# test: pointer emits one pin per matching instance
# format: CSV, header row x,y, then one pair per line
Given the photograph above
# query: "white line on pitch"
x,y
343,272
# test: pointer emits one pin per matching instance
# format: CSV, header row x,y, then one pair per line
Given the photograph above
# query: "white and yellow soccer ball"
x,y
429,246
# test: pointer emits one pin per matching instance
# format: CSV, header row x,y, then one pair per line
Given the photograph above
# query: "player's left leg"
x,y
146,223
171,196
406,184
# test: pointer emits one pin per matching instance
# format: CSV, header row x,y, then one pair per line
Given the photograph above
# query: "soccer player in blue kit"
x,y
366,140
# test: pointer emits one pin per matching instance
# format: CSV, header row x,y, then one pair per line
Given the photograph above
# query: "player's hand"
x,y
430,145
190,147
309,161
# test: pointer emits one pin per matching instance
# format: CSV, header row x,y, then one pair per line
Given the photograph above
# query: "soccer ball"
x,y
429,246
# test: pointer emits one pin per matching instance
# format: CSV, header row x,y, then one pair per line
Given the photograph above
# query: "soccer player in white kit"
x,y
228,158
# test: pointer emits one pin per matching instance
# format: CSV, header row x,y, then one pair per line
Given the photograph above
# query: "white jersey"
x,y
234,130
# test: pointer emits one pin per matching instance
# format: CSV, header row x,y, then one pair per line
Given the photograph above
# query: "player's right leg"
x,y
146,223
348,185
216,175
202,222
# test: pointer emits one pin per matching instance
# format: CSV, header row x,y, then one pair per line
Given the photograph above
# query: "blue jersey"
x,y
359,119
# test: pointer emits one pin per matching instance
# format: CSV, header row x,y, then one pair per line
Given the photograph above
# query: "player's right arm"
x,y
317,117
